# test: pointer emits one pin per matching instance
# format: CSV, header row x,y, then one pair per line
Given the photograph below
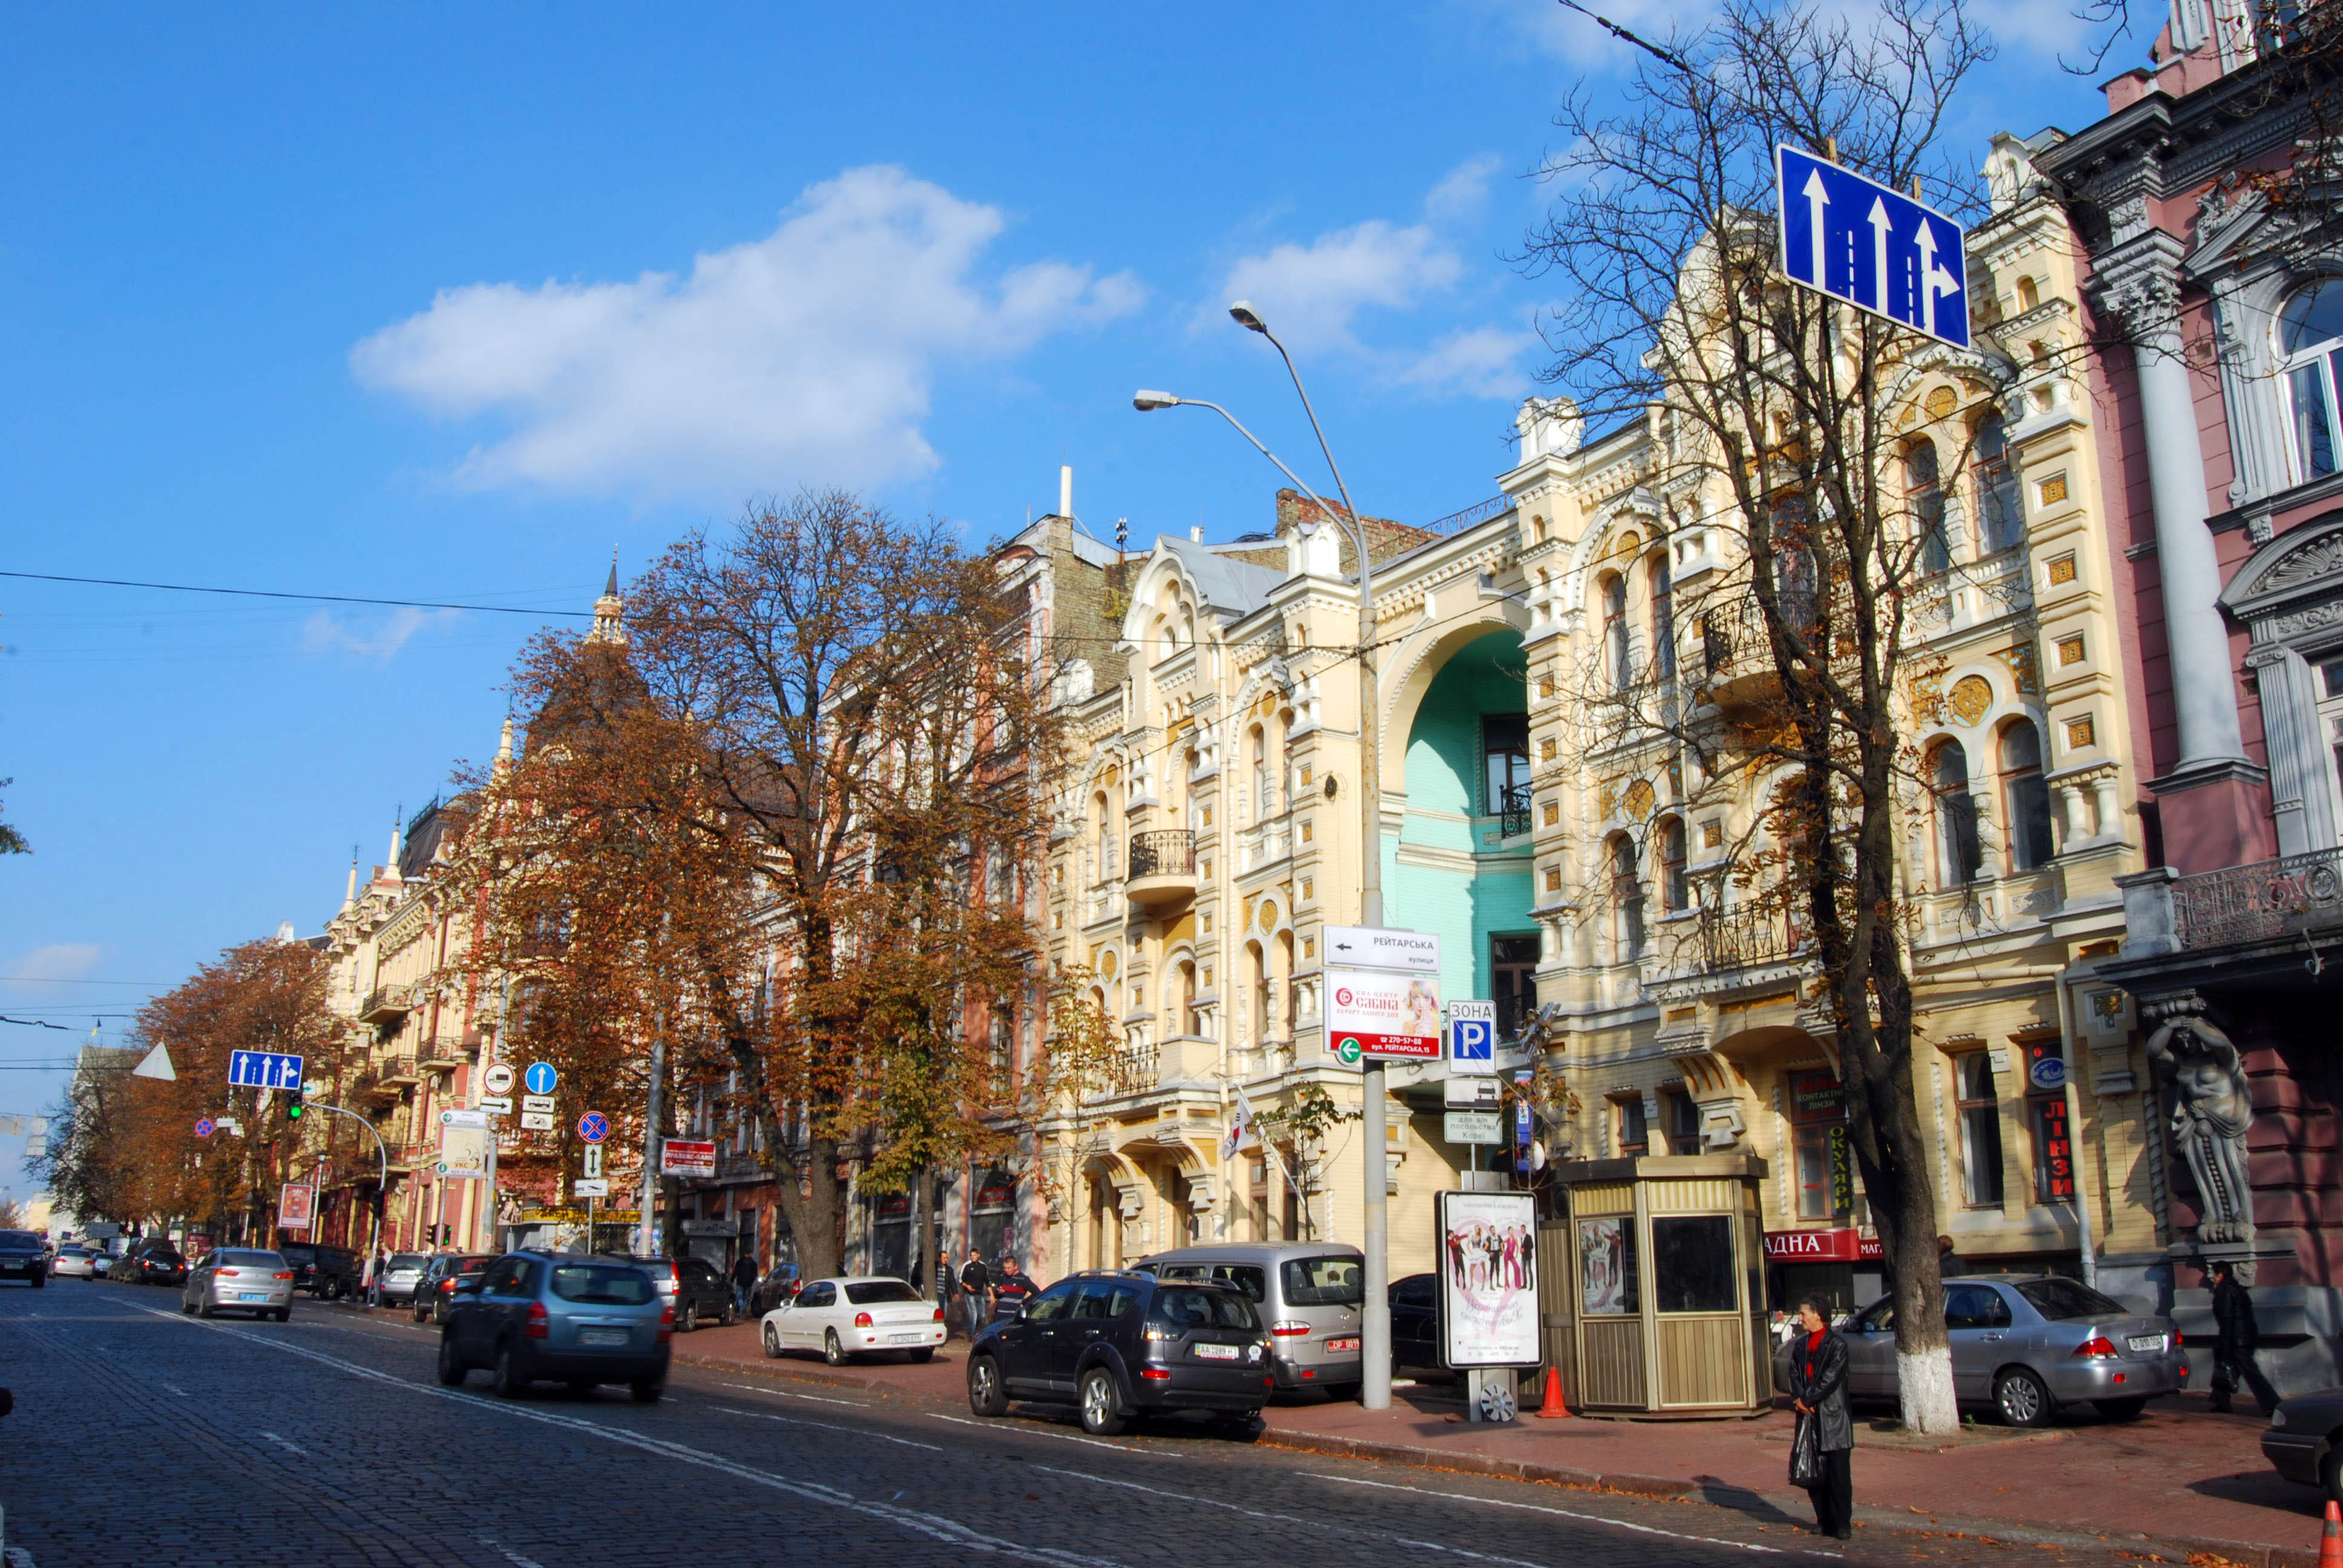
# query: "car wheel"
x,y
986,1394
729,1316
648,1393
2022,1400
924,1353
207,1311
2330,1474
452,1370
284,1314
831,1350
772,1341
188,1307
689,1318
2120,1408
506,1378
40,1281
1102,1406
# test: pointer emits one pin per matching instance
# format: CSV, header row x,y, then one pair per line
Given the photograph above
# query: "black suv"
x,y
152,1261
1121,1344
24,1255
328,1274
435,1293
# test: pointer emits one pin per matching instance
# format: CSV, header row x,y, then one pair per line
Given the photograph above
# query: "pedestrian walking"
x,y
1822,1445
1012,1290
2236,1335
744,1279
975,1293
1950,1265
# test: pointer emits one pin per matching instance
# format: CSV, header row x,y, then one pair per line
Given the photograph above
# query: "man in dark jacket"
x,y
2234,1337
1818,1392
975,1292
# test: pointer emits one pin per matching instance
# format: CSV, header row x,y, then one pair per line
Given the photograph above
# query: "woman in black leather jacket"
x,y
1818,1392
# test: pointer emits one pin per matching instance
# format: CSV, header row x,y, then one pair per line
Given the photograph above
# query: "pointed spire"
x,y
610,588
351,896
398,840
504,747
610,611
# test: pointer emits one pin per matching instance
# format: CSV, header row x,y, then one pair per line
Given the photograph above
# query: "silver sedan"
x,y
73,1262
239,1280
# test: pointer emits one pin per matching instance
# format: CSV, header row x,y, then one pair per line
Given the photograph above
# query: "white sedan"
x,y
73,1261
844,1318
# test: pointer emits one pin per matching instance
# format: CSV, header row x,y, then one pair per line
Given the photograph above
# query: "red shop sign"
x,y
1846,1245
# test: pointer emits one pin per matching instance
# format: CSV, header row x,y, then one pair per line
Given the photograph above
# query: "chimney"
x,y
1065,490
1197,533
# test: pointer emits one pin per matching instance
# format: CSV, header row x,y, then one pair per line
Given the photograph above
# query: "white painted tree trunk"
x,y
1926,1382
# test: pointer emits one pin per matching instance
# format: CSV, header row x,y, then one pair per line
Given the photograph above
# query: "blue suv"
x,y
1116,1345
532,1317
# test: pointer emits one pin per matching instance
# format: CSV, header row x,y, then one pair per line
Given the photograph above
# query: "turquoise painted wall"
x,y
1445,776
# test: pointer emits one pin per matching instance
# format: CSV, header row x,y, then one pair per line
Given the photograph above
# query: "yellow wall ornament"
x,y
1972,695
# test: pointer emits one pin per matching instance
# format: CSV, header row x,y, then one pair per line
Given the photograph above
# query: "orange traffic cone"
x,y
2330,1539
1554,1409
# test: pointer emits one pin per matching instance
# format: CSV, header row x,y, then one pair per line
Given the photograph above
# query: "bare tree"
x,y
1775,415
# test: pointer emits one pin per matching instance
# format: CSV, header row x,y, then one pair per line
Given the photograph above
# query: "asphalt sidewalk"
x,y
2179,1483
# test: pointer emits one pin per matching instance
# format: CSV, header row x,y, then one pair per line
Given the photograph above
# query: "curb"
x,y
2178,1549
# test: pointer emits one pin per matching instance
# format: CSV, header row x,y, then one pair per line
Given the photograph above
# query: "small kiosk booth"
x,y
1663,1311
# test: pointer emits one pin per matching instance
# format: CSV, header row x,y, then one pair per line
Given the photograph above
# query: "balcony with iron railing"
x,y
2267,899
1163,868
386,1004
1512,811
396,1072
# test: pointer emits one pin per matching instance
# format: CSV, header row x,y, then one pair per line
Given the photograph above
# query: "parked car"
x,y
2026,1346
394,1281
1415,1321
1127,1343
152,1261
328,1274
846,1318
435,1291
100,1262
582,1320
2304,1441
774,1289
693,1286
24,1256
239,1280
1307,1292
75,1262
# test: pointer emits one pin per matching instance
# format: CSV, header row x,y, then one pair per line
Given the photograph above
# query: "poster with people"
x,y
1606,1266
1488,1278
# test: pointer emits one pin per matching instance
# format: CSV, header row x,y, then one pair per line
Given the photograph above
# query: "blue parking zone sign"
x,y
1871,246
1472,1039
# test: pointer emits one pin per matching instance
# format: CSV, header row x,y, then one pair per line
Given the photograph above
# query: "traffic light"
x,y
293,1105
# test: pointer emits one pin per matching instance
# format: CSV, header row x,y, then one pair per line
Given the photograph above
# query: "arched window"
x,y
1188,1022
1615,630
2028,294
2310,351
1626,900
1675,882
2001,518
1924,490
2025,795
1264,801
1957,858
1663,616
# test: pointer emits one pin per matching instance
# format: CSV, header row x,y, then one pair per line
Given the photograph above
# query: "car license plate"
x,y
906,1339
1351,1343
601,1336
254,1296
2146,1341
1216,1353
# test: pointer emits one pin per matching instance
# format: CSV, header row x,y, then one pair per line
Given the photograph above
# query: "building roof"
x,y
1238,587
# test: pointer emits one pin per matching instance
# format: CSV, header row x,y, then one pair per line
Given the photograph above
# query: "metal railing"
x,y
1138,1068
1749,934
396,1070
2268,899
1513,810
1733,640
1165,852
386,1001
1479,512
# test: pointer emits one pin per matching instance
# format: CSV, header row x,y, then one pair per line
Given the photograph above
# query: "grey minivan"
x,y
1308,1293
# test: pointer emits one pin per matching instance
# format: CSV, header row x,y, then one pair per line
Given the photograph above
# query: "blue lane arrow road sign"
x,y
540,1078
264,1069
593,1127
1868,244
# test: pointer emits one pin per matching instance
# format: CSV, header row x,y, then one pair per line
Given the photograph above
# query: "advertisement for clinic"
x,y
1389,1015
1488,1278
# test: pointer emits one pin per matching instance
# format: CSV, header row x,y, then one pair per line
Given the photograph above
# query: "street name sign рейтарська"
x,y
1870,245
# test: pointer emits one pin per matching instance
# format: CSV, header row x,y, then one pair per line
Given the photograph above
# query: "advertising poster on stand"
x,y
1606,1266
464,1144
1387,1015
1488,1280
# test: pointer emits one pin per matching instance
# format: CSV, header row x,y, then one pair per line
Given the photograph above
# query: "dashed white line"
x,y
824,1425
512,1556
180,1392
286,1443
1056,1436
784,1393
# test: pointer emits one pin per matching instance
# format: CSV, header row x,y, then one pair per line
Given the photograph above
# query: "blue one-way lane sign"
x,y
264,1069
1868,244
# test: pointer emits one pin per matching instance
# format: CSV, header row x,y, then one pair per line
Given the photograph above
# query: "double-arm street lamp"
x,y
1374,1310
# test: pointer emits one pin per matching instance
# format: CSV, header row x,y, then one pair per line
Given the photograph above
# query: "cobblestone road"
x,y
144,1437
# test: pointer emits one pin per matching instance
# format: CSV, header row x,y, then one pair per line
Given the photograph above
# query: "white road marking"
x,y
18,1557
180,1392
1561,1513
825,1425
286,1443
784,1393
512,1556
935,1526
1030,1431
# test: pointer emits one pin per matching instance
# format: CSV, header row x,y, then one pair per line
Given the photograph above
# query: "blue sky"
x,y
448,303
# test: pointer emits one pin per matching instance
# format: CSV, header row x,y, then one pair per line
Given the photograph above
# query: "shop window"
x,y
1692,1263
1980,1114
2046,1116
1634,1133
1683,1122
2001,516
1675,882
2024,795
2310,349
1959,858
1820,1152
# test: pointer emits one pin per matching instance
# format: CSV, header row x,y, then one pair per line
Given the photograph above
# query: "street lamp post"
x,y
1375,1309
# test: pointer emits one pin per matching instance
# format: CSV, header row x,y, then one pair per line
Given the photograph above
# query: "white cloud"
x,y
803,357
1463,189
57,961
1475,361
325,632
1311,293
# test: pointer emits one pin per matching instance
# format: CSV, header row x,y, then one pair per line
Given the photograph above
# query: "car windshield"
x,y
1186,1306
18,1239
405,1261
2059,1300
469,1265
1322,1282
873,1292
602,1284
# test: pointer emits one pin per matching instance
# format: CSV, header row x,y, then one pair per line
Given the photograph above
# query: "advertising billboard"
x,y
297,1206
1379,1013
688,1157
1488,1280
463,1145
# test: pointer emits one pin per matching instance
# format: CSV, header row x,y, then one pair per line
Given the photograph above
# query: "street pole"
x,y
646,1228
489,1052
